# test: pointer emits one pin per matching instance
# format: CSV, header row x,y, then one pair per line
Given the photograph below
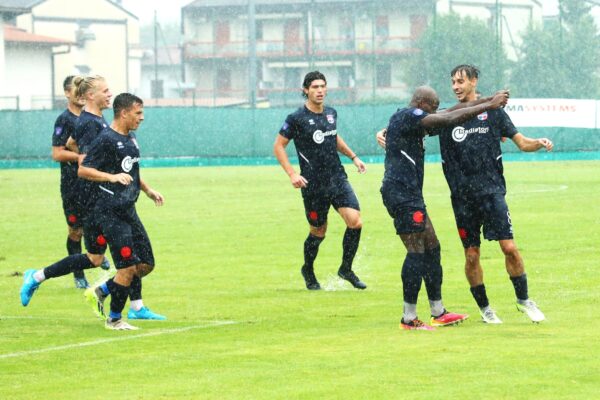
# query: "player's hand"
x,y
298,181
122,178
503,91
547,143
362,168
499,100
381,137
155,196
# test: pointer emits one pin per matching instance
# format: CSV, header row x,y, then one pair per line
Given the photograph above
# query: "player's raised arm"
x,y
343,148
463,114
297,180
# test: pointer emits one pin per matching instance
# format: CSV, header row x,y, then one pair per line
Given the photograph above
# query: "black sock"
x,y
118,297
412,275
433,274
520,284
75,262
311,248
349,247
74,247
480,296
135,289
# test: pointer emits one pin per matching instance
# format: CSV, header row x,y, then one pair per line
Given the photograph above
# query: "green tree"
x,y
561,59
455,40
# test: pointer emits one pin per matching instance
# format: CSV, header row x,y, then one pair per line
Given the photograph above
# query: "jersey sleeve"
x,y
414,118
98,152
288,129
505,126
61,133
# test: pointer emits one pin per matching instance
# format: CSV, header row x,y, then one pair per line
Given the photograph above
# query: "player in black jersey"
x,y
64,127
113,162
322,179
402,193
472,163
94,91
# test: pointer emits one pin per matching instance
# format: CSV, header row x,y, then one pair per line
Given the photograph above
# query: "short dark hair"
x,y
310,77
125,101
68,82
468,69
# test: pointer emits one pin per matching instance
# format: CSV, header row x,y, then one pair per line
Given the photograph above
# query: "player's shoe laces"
x,y
448,318
489,316
351,277
309,278
29,287
95,298
415,325
81,283
105,264
119,325
531,309
144,313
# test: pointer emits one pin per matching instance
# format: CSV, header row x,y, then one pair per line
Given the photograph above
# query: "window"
x,y
382,26
418,24
384,75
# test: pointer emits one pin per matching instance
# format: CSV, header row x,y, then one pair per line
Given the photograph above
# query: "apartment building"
x,y
357,44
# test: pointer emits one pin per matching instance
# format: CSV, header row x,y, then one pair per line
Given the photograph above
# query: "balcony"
x,y
300,48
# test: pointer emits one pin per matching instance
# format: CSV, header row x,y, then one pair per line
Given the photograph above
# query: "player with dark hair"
x,y
322,179
64,127
112,161
402,193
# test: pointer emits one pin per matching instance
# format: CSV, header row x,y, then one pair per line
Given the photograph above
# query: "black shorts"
x,y
126,236
74,213
318,199
95,242
489,211
409,219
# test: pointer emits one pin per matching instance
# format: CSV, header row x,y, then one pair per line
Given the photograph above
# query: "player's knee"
x,y
75,234
472,258
318,231
355,223
509,249
96,259
142,270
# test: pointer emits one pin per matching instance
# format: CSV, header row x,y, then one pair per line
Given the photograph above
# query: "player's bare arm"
x,y
297,180
527,144
72,145
463,114
62,154
155,196
481,100
343,148
92,174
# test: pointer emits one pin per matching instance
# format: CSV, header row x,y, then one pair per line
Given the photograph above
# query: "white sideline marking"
x,y
115,339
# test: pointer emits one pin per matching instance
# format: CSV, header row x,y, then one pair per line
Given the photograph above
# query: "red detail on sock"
x,y
125,252
313,215
72,218
462,233
101,240
418,217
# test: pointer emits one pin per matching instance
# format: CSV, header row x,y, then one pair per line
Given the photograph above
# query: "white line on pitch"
x,y
116,339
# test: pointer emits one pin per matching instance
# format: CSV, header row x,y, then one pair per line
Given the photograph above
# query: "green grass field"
x,y
228,245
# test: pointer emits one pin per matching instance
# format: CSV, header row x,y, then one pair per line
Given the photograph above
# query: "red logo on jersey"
x,y
330,118
462,233
313,215
418,217
483,116
72,219
125,252
101,240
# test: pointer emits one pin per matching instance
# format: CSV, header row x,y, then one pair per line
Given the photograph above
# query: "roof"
x,y
166,56
244,3
17,35
17,7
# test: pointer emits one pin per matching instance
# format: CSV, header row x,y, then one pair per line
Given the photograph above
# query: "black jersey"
x,y
472,156
114,153
315,138
87,130
64,127
405,157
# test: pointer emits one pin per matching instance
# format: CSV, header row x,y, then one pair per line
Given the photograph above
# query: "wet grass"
x,y
228,246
